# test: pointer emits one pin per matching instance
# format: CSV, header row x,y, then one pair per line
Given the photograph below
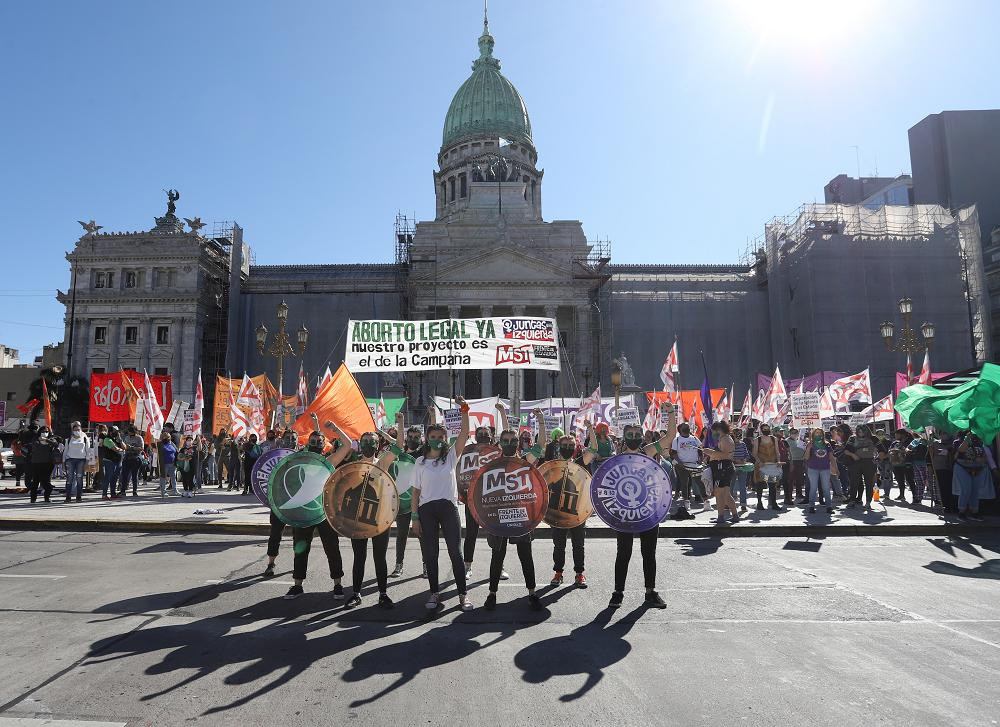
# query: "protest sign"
x,y
452,422
805,409
519,342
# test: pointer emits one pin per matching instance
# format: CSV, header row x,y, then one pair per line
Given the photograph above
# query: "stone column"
x,y
114,341
146,338
486,375
454,311
81,347
584,348
177,362
514,377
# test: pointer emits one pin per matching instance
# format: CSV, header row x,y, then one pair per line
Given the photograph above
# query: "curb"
x,y
543,533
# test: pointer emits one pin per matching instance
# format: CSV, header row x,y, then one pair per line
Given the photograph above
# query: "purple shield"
x,y
631,492
261,470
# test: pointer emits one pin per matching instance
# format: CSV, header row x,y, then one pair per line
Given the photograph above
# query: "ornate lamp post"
x,y
280,344
909,342
616,384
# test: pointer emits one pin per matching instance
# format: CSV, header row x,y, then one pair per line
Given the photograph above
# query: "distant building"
x,y
955,162
809,297
9,357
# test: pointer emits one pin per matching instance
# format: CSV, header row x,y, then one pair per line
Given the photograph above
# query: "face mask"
x,y
818,442
765,432
566,452
367,448
633,442
413,443
509,449
435,444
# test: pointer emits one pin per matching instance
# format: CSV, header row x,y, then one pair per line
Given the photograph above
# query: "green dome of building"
x,y
487,103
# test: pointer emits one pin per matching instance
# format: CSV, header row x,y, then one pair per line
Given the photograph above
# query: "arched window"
x,y
451,189
462,180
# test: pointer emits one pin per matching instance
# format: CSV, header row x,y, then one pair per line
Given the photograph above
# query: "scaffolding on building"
x,y
403,231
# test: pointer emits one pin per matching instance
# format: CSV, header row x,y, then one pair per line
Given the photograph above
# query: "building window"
x,y
97,370
160,371
100,280
163,335
451,189
10,395
131,334
131,279
100,335
462,183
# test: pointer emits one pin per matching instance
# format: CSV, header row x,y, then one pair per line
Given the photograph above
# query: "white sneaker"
x,y
504,575
433,602
468,568
465,602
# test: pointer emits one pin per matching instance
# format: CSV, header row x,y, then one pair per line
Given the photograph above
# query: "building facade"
x,y
809,297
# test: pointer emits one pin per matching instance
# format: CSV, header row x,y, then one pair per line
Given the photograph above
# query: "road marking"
x,y
27,722
27,575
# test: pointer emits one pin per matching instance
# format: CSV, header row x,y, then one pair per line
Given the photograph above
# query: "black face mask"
x,y
367,448
508,449
633,442
567,452
413,443
314,448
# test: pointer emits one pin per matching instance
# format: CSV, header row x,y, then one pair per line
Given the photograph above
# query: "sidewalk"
x,y
244,515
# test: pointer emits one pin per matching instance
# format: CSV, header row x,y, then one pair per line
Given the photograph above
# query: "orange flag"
x,y
48,405
341,401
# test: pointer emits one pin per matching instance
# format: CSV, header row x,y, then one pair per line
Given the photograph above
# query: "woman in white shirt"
x,y
435,505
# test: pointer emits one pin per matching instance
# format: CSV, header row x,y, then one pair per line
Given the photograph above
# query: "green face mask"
x,y
435,444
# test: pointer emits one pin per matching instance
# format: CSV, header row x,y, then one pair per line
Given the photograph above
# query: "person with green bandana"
x,y
409,444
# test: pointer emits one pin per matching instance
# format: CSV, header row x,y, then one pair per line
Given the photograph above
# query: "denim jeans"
x,y
74,477
740,486
968,486
168,471
110,481
130,472
817,479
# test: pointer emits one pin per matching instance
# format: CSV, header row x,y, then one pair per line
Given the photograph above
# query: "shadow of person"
x,y
587,649
436,647
195,547
987,569
700,546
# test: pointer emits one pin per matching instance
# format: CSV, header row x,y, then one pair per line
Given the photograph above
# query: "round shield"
x,y
569,493
261,470
508,497
631,492
360,500
295,488
472,458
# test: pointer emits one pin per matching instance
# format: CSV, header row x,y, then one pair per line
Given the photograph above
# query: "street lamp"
x,y
909,342
616,384
280,344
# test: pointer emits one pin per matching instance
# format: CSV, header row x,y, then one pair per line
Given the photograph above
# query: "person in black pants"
x,y
302,537
565,450
632,440
498,545
483,436
407,450
43,451
273,544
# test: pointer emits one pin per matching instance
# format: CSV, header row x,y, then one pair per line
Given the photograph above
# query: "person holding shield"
x,y
435,505
408,448
632,444
511,445
566,451
302,537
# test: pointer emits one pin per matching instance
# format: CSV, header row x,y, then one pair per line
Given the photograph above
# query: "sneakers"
x,y
423,573
397,571
385,602
355,600
534,602
504,575
433,602
616,599
468,569
557,579
338,592
268,572
963,517
829,509
581,580
812,509
974,517
294,592
490,603
653,600
465,602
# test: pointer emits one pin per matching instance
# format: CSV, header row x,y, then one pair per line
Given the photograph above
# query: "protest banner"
x,y
805,409
109,400
519,342
627,416
483,412
188,423
452,421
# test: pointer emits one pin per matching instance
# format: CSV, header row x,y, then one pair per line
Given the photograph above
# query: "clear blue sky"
x,y
676,129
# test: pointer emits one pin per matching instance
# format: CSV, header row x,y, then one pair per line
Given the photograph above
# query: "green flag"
x,y
974,405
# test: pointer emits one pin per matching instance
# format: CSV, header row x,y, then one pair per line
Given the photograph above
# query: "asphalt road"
x,y
168,629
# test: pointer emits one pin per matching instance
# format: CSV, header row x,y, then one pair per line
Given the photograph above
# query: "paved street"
x,y
164,628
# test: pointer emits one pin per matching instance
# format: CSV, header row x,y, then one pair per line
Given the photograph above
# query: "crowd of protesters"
x,y
841,466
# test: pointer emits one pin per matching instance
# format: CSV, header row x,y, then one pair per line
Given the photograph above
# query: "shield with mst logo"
x,y
295,489
261,471
472,458
360,500
508,497
569,493
631,493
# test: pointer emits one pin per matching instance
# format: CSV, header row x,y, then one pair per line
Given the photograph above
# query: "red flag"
x,y
925,371
28,407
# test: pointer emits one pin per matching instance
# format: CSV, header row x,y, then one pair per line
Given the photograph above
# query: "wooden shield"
x,y
569,493
360,500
